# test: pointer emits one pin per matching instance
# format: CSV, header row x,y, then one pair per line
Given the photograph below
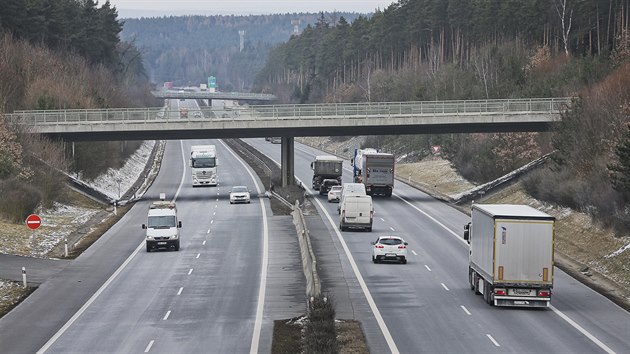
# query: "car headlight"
x,y
150,238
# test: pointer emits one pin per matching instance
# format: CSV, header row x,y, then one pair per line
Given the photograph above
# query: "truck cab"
x,y
162,227
203,165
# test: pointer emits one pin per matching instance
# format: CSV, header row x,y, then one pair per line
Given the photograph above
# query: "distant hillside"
x,y
188,49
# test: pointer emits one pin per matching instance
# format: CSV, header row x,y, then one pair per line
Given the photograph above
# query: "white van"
x,y
357,211
348,190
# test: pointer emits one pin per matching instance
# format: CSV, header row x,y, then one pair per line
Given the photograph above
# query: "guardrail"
x,y
298,111
309,263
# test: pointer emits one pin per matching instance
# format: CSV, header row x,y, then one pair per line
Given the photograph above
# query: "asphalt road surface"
x,y
427,305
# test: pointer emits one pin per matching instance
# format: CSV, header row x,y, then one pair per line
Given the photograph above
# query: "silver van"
x,y
357,211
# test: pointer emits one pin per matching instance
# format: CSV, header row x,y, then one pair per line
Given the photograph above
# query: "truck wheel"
x,y
369,229
487,293
471,279
148,248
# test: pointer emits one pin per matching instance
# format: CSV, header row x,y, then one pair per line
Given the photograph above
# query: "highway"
x,y
427,305
117,298
214,294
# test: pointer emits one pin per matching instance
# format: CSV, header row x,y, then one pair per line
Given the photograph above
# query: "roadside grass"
x,y
11,294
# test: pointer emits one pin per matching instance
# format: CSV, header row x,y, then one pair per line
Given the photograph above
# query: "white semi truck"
x,y
511,254
375,170
162,225
203,165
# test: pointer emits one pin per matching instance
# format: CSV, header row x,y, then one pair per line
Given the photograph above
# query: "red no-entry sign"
x,y
33,221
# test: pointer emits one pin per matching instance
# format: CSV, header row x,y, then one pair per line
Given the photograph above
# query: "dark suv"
x,y
326,184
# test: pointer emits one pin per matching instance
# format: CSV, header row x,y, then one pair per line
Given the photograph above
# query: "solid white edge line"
x,y
149,346
432,219
168,313
582,330
427,267
493,341
466,310
93,298
379,319
444,286
65,327
260,306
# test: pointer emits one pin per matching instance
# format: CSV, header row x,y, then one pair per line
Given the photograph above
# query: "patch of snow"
x,y
619,251
115,183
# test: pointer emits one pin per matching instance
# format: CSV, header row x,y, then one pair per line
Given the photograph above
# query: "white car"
x,y
197,114
334,194
389,248
239,194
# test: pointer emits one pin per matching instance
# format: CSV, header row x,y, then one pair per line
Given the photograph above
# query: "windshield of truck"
x,y
204,162
162,222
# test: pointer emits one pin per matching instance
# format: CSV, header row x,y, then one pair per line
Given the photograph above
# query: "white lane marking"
x,y
215,213
582,330
414,252
198,254
217,199
444,286
208,231
382,219
190,271
465,310
212,222
427,267
493,341
65,327
432,219
216,206
149,346
168,313
260,306
180,291
377,314
391,228
204,242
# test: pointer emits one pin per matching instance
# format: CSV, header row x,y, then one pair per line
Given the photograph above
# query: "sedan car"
x,y
389,248
197,114
239,194
334,194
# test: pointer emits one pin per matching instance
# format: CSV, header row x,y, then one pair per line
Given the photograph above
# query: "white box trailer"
x,y
511,254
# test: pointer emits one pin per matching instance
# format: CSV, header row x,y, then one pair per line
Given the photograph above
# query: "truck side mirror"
x,y
144,226
179,224
352,161
467,232
311,165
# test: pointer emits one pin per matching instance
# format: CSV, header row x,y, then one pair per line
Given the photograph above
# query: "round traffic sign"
x,y
33,221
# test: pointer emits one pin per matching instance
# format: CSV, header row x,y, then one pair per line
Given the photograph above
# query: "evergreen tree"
x,y
620,170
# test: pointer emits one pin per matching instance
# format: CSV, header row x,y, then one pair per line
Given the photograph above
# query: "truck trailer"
x,y
203,165
511,254
326,167
375,170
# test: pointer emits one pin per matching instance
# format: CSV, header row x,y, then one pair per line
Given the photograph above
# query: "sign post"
x,y
33,222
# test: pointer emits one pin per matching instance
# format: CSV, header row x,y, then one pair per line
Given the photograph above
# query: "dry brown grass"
x,y
350,337
11,294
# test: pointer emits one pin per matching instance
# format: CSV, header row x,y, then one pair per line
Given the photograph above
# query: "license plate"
x,y
390,255
161,243
517,302
522,292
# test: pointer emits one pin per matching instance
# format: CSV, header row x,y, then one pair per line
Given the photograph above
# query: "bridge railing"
x,y
298,111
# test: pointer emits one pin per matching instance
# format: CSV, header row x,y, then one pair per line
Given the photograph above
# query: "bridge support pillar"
x,y
287,163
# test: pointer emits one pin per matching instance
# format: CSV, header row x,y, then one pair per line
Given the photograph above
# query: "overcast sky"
x,y
152,8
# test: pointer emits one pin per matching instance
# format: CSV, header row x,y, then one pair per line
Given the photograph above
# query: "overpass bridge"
x,y
288,121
